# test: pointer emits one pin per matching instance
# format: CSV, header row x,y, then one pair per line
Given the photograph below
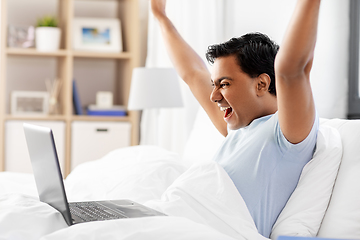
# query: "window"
x,y
354,68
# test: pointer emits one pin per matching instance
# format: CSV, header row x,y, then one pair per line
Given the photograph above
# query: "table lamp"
x,y
153,88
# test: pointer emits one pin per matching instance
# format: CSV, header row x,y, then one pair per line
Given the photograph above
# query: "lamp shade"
x,y
154,88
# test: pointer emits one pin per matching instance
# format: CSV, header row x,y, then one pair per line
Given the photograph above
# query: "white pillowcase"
x,y
305,210
204,140
139,173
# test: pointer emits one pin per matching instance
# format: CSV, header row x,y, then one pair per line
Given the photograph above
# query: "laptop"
x,y
50,185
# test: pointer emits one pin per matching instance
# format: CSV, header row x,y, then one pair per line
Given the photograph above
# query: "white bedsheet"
x,y
202,202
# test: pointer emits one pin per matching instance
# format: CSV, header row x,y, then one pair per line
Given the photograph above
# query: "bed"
x,y
197,195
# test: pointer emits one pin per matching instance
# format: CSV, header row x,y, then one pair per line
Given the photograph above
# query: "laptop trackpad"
x,y
132,209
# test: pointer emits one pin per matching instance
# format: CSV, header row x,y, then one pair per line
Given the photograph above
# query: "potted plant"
x,y
47,34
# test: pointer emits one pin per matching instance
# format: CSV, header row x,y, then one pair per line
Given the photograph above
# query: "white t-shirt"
x,y
265,167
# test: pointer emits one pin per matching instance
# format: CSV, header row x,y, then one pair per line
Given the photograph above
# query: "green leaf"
x,y
47,21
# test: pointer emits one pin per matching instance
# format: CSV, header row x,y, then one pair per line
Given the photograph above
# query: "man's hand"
x,y
158,8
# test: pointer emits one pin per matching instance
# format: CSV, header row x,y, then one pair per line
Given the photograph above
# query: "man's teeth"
x,y
224,108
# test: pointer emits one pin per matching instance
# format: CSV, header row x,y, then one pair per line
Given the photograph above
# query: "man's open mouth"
x,y
227,111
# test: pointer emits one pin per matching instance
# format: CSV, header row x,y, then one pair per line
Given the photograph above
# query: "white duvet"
x,y
201,202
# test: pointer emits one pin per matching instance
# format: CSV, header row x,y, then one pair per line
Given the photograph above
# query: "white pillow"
x,y
139,173
204,140
305,210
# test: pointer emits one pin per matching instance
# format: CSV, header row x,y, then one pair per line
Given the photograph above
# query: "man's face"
x,y
235,92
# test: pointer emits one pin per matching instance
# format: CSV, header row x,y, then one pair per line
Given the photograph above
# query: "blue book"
x,y
305,238
107,113
119,111
76,100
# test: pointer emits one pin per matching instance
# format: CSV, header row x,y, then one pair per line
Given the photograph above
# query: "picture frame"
x,y
21,36
97,34
29,103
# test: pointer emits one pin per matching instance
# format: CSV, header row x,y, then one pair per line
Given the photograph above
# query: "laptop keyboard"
x,y
92,211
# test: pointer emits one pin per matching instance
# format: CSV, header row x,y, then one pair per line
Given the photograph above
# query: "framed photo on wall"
x,y
29,103
97,34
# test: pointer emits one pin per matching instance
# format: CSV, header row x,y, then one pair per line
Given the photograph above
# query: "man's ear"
x,y
263,84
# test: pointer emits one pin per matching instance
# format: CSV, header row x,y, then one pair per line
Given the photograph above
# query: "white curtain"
x,y
205,22
201,24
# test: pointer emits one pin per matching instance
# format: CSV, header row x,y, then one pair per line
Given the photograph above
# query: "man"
x,y
267,111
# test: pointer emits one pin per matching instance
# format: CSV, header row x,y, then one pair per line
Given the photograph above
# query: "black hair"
x,y
255,54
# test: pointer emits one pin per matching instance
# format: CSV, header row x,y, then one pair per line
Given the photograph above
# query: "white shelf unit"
x,y
67,64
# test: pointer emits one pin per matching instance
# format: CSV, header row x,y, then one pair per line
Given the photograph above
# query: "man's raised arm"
x,y
188,65
293,63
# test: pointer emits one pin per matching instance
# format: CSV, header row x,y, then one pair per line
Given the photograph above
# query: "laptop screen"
x,y
45,164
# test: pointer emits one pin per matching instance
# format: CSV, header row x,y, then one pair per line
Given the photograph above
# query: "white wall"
x,y
330,72
329,76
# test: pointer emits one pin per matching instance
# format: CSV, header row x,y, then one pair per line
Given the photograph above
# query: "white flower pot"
x,y
47,39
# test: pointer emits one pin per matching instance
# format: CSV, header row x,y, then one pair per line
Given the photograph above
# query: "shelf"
x,y
63,53
99,118
120,55
36,117
63,118
34,52
94,0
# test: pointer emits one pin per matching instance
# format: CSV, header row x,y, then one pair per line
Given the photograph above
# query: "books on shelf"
x,y
76,100
95,110
116,110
